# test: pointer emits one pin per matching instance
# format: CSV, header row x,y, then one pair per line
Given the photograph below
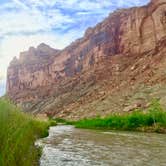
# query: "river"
x,y
68,146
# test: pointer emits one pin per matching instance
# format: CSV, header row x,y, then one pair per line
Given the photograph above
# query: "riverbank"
x,y
152,119
18,132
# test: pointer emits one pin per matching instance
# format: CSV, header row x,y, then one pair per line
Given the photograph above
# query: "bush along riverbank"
x,y
151,120
18,132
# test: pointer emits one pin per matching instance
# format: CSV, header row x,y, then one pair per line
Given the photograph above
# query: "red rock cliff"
x,y
134,31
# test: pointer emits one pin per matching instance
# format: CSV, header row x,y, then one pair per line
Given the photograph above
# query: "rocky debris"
x,y
136,105
116,55
131,108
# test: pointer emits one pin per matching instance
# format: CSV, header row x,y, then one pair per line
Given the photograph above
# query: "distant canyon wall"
x,y
133,31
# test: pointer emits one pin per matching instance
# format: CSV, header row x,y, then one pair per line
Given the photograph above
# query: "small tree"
x,y
155,108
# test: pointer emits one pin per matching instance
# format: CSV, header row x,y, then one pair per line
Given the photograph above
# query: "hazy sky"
x,y
25,23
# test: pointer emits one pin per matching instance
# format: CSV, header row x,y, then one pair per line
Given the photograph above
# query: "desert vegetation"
x,y
18,132
152,119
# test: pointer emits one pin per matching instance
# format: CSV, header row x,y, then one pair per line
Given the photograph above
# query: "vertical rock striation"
x,y
137,31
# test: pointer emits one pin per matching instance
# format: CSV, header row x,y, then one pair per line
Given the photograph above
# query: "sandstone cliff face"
x,y
129,33
31,67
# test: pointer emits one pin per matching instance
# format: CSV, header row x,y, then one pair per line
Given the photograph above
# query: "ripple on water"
x,y
67,146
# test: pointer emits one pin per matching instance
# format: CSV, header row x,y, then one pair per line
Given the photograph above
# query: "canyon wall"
x,y
37,73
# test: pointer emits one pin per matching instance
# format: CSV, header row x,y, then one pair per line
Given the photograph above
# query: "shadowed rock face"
x,y
40,72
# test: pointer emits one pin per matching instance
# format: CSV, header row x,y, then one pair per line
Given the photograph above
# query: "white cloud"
x,y
21,4
21,22
12,45
26,15
32,21
15,44
84,5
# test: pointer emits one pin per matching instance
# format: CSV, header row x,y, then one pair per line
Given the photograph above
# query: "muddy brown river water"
x,y
68,146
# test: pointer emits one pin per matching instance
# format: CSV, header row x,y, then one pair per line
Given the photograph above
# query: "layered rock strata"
x,y
131,34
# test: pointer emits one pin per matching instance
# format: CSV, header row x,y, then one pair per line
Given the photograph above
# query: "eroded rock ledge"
x,y
44,72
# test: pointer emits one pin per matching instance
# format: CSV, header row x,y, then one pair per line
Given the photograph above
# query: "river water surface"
x,y
67,146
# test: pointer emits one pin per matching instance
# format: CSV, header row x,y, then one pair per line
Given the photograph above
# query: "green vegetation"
x,y
153,120
18,132
59,120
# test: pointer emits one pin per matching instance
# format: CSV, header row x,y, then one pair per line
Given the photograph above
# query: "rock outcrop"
x,y
123,42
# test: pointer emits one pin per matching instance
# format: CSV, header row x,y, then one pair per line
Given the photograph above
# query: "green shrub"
x,y
155,117
59,120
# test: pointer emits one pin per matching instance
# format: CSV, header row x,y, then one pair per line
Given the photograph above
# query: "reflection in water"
x,y
67,146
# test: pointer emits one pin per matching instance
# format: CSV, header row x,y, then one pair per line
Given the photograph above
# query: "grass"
x,y
152,120
18,132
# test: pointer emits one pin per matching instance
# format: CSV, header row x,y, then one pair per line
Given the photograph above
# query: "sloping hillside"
x,y
117,66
